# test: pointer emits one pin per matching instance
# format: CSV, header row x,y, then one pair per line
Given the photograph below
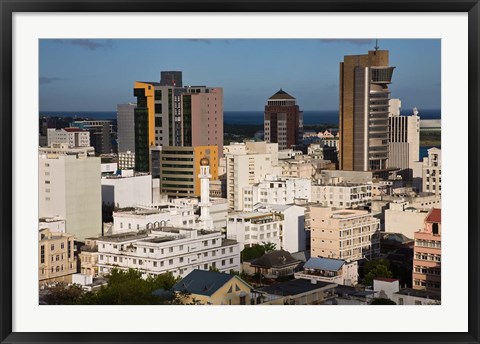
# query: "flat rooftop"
x,y
419,293
294,287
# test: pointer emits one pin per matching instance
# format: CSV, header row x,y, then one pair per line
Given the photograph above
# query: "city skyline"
x,y
80,75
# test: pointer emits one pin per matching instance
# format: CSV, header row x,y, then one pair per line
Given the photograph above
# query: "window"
x,y
400,300
223,262
42,254
52,247
180,247
170,249
181,259
231,260
154,264
170,262
151,250
242,300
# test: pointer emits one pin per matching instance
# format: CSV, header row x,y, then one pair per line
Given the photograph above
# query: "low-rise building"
x,y
54,224
414,297
385,287
153,216
294,292
56,259
329,270
89,258
342,195
127,189
213,288
404,219
272,264
73,137
168,249
282,225
276,190
344,234
432,172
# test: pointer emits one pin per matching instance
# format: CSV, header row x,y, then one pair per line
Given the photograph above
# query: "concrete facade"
x,y
126,127
344,234
127,190
74,137
69,187
432,172
174,250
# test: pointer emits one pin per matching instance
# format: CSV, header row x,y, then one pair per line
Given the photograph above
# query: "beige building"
x,y
70,188
247,163
344,234
89,258
214,288
56,259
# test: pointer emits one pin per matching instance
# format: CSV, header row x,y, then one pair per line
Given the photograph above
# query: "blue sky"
x,y
96,75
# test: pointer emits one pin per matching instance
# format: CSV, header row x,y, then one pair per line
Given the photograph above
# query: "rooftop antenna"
x,y
376,45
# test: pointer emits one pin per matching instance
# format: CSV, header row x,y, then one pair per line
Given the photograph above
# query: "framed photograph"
x,y
349,73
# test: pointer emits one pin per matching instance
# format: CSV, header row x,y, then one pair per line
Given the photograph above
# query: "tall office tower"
x,y
363,115
171,78
126,127
404,140
100,134
70,188
283,121
176,116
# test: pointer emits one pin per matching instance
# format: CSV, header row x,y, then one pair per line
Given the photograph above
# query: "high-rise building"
x,y
427,254
180,169
283,121
363,115
70,188
126,127
171,78
404,140
100,134
168,115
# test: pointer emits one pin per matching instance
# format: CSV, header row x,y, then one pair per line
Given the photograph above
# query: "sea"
x,y
239,117
247,118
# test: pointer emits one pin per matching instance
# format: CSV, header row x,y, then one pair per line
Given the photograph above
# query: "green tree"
x,y
249,253
269,246
129,288
61,294
376,268
382,301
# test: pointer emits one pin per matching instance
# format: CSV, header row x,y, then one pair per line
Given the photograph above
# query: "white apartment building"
x,y
64,149
342,195
315,150
432,172
126,160
127,189
288,154
53,224
282,225
404,140
73,137
69,187
329,139
275,190
247,163
174,250
344,234
153,217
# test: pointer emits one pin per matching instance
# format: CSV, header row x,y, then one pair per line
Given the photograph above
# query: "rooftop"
x,y
419,293
434,216
276,258
385,279
202,282
324,264
281,94
294,287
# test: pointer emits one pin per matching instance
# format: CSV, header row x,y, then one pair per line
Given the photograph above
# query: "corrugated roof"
x,y
281,94
324,264
203,282
434,216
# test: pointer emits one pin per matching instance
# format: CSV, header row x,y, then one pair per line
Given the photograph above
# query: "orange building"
x,y
427,254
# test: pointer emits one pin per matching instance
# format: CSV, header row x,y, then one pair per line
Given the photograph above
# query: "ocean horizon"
x,y
238,117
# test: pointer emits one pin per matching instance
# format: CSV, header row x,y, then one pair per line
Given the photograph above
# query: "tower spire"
x,y
376,45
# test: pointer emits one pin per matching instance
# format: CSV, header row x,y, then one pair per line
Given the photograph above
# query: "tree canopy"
x,y
376,268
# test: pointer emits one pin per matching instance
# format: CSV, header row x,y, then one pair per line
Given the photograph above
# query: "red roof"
x,y
73,130
385,279
434,216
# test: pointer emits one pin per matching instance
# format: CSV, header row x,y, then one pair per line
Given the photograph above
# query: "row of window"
x,y
428,257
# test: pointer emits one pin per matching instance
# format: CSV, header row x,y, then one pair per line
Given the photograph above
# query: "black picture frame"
x,y
9,7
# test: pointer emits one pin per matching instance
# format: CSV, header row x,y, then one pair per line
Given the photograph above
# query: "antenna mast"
x,y
376,45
